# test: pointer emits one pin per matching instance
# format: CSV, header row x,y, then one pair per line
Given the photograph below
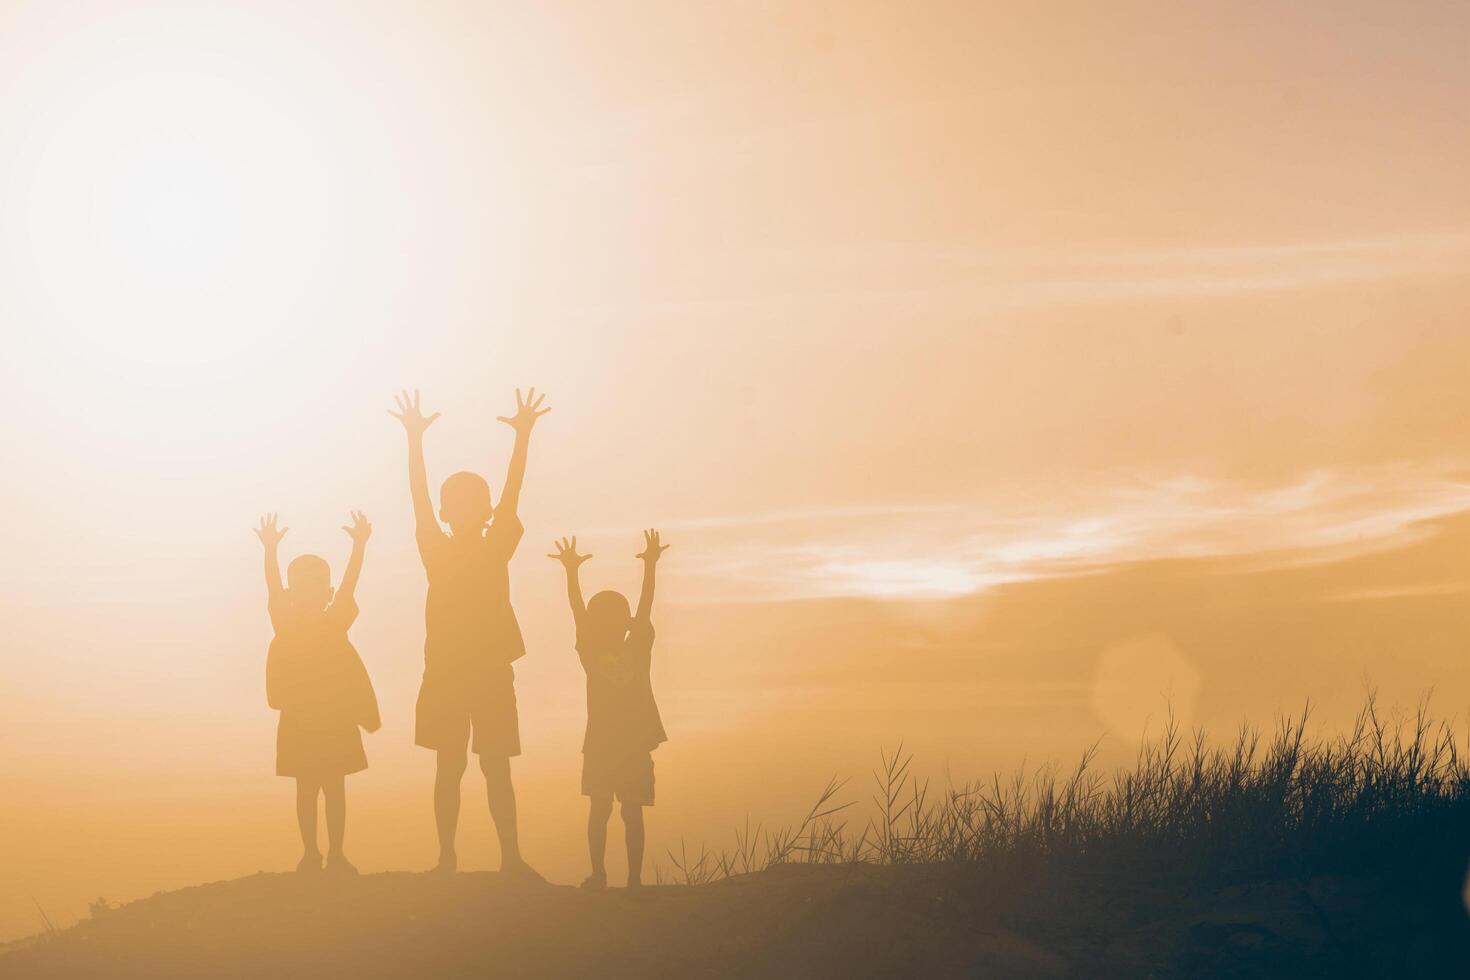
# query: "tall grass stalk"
x,y
1279,806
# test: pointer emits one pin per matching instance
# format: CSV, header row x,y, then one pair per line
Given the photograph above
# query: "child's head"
x,y
608,615
464,502
309,582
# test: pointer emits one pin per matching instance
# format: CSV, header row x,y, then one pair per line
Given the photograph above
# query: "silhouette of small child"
x,y
623,724
315,678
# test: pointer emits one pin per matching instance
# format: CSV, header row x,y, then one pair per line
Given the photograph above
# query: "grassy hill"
x,y
1338,858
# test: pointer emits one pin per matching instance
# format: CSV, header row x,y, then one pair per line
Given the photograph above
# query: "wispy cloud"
x,y
1402,592
914,278
957,549
1001,279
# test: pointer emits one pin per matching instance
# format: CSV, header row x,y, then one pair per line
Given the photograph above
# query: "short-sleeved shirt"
x,y
622,716
469,624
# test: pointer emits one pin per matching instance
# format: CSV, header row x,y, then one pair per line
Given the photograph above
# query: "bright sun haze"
x,y
999,375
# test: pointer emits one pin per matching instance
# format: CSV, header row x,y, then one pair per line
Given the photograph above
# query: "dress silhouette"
x,y
316,680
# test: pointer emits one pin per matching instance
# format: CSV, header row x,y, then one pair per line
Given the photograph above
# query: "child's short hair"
x,y
465,491
307,572
608,610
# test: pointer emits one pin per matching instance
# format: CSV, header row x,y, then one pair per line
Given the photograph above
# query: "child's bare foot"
x,y
309,864
448,865
338,864
634,883
596,881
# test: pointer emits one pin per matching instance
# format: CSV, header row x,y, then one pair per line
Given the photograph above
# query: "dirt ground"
x,y
792,921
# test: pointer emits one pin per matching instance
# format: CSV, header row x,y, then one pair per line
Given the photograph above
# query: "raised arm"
x,y
528,410
414,424
271,536
652,549
359,531
566,553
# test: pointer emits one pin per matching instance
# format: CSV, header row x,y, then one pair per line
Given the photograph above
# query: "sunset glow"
x,y
1001,377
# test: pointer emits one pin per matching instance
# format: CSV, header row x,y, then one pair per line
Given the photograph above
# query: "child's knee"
x,y
496,769
602,808
452,764
633,814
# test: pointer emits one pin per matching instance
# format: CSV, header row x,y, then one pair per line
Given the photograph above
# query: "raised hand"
x,y
651,547
566,553
411,414
268,533
526,412
360,530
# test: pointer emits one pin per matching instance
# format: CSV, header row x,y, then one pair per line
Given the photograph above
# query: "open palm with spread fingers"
x,y
566,552
268,533
528,410
411,414
359,530
651,547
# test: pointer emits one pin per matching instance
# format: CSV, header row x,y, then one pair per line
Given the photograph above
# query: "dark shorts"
x,y
481,712
626,776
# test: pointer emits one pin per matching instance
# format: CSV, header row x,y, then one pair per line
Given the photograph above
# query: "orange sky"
x,y
997,372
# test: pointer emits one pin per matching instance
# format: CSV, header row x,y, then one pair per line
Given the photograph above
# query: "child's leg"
x,y
306,791
633,835
334,791
598,814
449,771
502,798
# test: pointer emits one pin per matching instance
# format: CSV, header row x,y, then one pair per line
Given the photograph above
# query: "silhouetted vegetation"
x,y
1394,791
1274,854
1271,854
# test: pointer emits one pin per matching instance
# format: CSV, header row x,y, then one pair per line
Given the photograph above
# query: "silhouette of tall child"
x,y
623,723
468,696
315,678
